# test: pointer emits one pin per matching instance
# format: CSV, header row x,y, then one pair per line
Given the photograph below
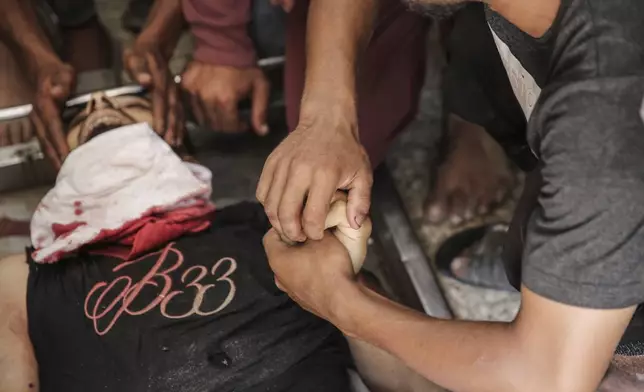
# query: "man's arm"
x,y
549,347
18,367
20,28
164,25
382,372
224,70
53,79
147,63
324,153
337,33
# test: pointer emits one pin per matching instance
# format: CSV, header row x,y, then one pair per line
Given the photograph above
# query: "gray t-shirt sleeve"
x,y
585,239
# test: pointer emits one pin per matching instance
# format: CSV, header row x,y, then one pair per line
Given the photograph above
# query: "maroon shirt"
x,y
220,28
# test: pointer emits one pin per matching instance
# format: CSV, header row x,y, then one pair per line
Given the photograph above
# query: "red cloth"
x,y
149,232
220,28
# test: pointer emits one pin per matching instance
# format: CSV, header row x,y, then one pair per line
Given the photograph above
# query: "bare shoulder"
x,y
11,266
13,260
14,272
18,366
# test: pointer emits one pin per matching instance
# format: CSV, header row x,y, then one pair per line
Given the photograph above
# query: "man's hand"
x,y
312,274
55,82
312,163
215,92
147,64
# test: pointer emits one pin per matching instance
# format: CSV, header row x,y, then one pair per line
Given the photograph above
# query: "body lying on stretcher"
x,y
135,282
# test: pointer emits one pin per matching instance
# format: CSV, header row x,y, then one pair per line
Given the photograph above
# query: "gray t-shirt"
x,y
581,88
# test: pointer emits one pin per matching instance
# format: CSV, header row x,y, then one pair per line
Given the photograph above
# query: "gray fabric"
x,y
584,243
268,29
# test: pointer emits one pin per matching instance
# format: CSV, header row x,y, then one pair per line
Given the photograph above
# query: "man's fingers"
x,y
212,113
173,120
292,202
273,246
50,114
359,199
60,85
275,195
279,285
323,188
180,119
137,66
160,80
197,110
45,145
229,116
159,110
261,95
265,179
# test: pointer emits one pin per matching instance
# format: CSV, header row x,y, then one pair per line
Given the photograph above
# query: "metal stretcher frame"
x,y
411,276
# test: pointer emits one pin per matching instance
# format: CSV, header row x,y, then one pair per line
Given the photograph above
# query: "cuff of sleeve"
x,y
581,294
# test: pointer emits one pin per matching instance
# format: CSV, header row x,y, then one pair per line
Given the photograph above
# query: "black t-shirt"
x,y
580,89
200,314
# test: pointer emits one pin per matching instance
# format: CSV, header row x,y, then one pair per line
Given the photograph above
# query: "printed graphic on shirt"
x,y
107,302
523,84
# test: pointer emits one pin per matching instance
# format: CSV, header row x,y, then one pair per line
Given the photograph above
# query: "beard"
x,y
435,9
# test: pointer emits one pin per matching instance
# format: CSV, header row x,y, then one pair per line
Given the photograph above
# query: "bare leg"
x,y
18,367
14,90
473,179
379,370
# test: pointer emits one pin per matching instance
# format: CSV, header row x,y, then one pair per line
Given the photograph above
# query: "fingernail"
x,y
456,220
359,219
56,90
459,266
263,130
144,78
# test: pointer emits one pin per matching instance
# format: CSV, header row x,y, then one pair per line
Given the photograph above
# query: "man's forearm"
x,y
382,372
20,29
164,25
337,32
458,355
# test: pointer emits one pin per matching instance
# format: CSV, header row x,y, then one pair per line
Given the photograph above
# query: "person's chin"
x,y
434,10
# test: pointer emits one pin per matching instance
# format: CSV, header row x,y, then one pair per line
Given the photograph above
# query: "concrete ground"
x,y
409,160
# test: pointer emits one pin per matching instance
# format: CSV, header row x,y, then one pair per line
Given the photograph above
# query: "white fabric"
x,y
523,84
115,178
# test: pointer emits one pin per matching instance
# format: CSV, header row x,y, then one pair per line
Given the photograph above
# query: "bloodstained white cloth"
x,y
115,180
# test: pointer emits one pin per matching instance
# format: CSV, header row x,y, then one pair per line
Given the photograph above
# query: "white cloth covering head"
x,y
115,178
